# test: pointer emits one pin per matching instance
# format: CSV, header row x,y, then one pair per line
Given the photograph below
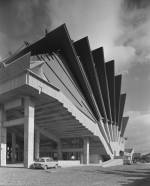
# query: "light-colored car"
x,y
45,163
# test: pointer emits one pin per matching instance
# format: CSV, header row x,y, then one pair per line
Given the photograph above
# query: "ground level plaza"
x,y
49,105
133,175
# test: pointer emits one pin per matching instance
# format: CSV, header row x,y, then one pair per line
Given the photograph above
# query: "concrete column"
x,y
37,144
81,158
28,132
114,131
59,149
3,139
110,129
13,147
117,133
86,150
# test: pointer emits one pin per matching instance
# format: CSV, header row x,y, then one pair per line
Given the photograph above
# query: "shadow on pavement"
x,y
139,177
134,177
142,178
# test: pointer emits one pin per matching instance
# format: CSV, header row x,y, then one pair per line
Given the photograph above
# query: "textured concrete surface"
x,y
131,175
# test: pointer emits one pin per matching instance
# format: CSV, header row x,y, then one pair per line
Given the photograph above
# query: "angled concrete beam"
x,y
50,91
121,109
110,71
13,104
98,56
50,105
123,125
47,134
118,79
14,122
82,47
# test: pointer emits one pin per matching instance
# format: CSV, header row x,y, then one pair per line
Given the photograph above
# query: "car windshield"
x,y
40,160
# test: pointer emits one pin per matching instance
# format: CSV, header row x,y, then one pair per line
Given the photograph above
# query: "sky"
x,y
122,27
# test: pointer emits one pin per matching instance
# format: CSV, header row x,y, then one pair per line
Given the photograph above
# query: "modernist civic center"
x,y
59,98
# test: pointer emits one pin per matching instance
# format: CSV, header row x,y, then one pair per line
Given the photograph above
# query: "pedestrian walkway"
x,y
15,165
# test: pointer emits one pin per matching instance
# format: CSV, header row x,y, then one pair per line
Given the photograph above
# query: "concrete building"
x,y
59,98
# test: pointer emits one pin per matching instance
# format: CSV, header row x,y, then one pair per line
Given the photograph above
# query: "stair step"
x,y
113,162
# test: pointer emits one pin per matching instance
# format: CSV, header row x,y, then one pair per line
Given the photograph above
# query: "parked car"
x,y
45,163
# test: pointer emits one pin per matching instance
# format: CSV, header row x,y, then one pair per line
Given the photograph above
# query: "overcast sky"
x,y
122,27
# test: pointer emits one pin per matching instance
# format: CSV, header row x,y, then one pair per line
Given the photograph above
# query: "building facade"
x,y
59,98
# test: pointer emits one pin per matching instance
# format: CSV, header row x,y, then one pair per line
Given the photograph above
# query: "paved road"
x,y
131,175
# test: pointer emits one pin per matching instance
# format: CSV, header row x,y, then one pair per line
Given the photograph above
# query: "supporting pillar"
x,y
110,129
86,150
81,158
37,144
114,131
59,150
28,132
3,139
13,147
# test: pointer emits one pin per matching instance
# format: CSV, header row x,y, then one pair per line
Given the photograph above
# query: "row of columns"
x,y
31,140
28,136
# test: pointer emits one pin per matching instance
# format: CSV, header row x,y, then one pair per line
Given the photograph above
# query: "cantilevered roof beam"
x,y
59,41
84,52
87,63
123,125
121,109
110,71
117,94
98,56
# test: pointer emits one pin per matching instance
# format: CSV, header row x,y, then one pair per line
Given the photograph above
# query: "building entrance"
x,y
71,155
15,146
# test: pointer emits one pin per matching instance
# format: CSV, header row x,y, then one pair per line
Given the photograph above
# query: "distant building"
x,y
128,156
145,158
59,98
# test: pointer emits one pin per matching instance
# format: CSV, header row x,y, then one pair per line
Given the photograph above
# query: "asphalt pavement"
x,y
129,175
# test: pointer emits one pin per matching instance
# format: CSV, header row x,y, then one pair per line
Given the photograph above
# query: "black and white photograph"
x,y
74,92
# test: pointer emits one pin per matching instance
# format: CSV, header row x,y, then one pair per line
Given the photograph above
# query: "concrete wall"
x,y
68,163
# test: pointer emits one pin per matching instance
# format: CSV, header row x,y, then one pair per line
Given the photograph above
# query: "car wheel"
x,y
45,167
